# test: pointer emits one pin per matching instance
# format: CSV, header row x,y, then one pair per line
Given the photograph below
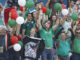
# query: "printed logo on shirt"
x,y
31,49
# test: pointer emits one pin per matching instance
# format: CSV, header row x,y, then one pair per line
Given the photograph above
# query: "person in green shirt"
x,y
54,21
63,44
46,34
28,25
76,43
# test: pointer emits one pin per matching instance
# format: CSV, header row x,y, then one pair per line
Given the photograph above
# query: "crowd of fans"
x,y
61,34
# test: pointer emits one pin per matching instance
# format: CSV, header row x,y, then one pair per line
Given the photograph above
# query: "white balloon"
x,y
17,47
20,20
22,2
65,12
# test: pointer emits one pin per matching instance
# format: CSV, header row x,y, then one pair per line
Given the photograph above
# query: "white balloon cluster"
x,y
65,12
22,2
20,20
17,47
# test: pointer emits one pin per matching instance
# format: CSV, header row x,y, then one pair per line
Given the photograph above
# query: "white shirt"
x,y
67,25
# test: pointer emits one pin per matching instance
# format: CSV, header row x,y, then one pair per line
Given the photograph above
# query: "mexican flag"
x,y
4,22
3,40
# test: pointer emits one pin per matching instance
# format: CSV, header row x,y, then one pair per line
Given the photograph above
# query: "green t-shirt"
x,y
76,45
47,36
64,47
28,26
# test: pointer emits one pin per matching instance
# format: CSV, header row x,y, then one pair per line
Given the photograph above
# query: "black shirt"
x,y
33,48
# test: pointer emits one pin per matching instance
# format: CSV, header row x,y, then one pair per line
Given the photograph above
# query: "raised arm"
x,y
39,20
40,13
72,34
64,19
18,26
74,27
48,3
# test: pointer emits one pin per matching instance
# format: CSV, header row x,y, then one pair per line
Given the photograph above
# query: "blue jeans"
x,y
10,55
63,57
13,55
47,53
4,56
75,56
